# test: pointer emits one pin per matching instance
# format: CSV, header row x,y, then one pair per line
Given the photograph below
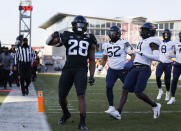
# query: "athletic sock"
x,y
82,118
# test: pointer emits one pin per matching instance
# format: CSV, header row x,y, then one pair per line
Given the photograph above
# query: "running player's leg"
x,y
159,72
168,69
81,85
176,75
144,74
111,78
128,86
65,84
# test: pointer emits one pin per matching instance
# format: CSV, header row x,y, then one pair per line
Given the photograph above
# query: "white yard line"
x,y
20,113
124,112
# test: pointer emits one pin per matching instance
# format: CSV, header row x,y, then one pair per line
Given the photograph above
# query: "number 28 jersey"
x,y
116,53
164,49
77,49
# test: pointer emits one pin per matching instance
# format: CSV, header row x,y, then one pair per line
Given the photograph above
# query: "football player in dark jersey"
x,y
80,46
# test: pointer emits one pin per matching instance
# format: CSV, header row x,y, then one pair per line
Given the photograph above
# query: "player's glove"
x,y
58,36
91,80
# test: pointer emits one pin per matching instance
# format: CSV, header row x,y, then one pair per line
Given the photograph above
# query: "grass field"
x,y
137,115
3,95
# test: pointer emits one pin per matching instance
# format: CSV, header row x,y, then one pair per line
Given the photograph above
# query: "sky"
x,y
44,9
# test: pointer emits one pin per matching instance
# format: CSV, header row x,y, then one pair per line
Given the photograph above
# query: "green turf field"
x,y
136,116
3,95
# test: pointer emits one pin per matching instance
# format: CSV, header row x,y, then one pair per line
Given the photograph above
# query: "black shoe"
x,y
18,84
82,127
23,94
64,118
27,92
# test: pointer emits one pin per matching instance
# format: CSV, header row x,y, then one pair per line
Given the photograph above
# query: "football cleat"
x,y
82,127
116,115
167,96
160,93
110,109
171,101
156,111
64,118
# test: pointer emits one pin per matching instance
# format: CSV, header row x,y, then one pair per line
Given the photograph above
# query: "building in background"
x,y
173,25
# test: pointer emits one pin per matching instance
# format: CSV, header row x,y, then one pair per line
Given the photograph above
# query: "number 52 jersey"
x,y
77,49
116,53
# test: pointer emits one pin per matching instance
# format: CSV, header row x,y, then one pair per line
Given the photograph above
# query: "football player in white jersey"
x,y
115,52
165,64
176,70
137,77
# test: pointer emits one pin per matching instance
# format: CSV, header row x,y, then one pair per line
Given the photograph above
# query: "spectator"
x,y
6,62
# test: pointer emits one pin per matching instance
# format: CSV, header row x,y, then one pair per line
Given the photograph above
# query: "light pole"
x,y
25,19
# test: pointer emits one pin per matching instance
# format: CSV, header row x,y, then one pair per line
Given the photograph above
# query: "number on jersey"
x,y
113,51
81,50
139,45
164,49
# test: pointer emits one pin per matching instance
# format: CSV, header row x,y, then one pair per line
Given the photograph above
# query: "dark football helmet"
x,y
19,40
147,30
79,24
114,33
167,35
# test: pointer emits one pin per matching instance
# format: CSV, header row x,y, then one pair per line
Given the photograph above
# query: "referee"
x,y
25,55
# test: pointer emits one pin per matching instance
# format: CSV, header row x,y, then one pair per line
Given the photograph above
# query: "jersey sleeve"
x,y
155,40
127,46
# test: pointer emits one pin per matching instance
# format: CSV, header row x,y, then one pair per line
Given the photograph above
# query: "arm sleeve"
x,y
154,56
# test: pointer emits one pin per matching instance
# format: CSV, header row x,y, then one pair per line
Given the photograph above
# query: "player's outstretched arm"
x,y
55,39
92,64
155,55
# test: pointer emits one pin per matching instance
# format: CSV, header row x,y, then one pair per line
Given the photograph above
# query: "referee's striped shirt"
x,y
24,54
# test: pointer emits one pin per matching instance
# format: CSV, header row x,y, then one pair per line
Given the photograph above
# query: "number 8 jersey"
x,y
164,49
77,49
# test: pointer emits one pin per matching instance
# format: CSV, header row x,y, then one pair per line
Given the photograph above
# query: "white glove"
x,y
100,68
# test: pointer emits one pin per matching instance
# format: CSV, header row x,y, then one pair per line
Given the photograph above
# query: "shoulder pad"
x,y
176,41
66,33
104,45
155,40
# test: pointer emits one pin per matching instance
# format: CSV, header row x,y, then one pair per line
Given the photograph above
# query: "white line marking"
x,y
124,112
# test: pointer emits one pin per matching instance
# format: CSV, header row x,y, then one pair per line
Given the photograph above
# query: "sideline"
x,y
20,113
